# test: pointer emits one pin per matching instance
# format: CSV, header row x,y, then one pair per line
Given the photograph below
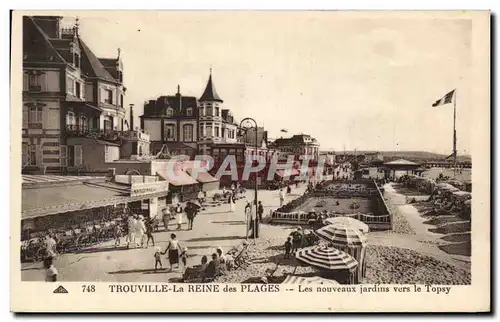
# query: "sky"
x,y
350,82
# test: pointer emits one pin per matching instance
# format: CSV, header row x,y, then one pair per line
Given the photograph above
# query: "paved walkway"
x,y
214,227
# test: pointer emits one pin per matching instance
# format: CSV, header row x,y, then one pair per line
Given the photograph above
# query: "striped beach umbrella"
x,y
292,279
341,235
326,257
348,221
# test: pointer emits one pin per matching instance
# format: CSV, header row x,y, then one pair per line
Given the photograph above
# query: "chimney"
x,y
131,117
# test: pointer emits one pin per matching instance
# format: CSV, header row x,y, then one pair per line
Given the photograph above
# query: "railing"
x,y
106,135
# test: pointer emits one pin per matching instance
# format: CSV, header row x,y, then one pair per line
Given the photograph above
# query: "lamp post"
x,y
246,124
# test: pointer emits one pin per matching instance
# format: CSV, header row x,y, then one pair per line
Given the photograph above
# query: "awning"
x,y
181,177
43,201
202,176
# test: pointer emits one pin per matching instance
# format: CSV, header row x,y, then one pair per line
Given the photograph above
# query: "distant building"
x,y
172,121
297,145
68,92
374,157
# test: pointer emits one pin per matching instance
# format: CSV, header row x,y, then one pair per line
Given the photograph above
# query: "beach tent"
x,y
348,221
326,257
292,279
341,235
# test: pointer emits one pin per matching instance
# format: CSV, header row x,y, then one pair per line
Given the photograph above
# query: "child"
x,y
50,271
184,257
158,258
288,247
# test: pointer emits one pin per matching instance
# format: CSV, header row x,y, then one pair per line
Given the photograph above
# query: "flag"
x,y
284,130
448,98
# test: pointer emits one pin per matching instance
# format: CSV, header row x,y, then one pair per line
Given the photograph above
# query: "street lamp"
x,y
246,124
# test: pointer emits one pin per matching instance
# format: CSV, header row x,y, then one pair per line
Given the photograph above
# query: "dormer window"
x,y
170,111
189,111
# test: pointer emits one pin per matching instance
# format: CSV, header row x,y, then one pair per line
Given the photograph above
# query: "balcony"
x,y
105,135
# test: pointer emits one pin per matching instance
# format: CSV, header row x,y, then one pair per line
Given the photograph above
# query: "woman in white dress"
x,y
140,229
231,203
178,210
132,222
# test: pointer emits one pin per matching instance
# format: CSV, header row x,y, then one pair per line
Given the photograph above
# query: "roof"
x,y
202,176
178,177
178,145
91,65
401,162
42,179
36,44
177,103
210,94
295,139
108,62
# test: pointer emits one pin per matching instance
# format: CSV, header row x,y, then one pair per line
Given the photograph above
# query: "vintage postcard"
x,y
250,161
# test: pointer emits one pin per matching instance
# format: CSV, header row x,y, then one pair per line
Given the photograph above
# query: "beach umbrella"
x,y
292,279
326,257
348,221
342,235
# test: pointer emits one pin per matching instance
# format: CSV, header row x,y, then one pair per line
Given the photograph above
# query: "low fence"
x,y
381,221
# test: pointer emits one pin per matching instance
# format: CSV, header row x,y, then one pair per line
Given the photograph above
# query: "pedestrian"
x,y
248,216
191,212
282,197
157,257
50,271
232,202
288,190
260,210
296,239
201,198
118,234
140,229
184,256
173,251
178,211
288,247
50,247
166,217
132,222
149,232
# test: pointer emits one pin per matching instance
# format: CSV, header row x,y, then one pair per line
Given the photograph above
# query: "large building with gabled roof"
x,y
68,93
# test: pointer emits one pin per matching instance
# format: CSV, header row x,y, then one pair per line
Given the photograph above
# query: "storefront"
x,y
63,203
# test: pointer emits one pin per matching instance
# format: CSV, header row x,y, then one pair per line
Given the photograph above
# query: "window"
x,y
108,98
74,155
170,112
209,130
108,123
34,82
216,134
140,150
76,60
70,85
189,111
170,132
209,111
121,100
188,132
120,76
216,111
78,90
35,115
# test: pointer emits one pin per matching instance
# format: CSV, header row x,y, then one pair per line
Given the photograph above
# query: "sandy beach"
x,y
419,250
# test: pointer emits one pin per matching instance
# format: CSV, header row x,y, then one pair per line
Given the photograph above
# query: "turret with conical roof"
x,y
210,94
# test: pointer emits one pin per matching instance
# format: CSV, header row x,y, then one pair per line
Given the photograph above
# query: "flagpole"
x,y
454,134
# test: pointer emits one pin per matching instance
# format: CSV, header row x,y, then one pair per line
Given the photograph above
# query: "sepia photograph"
x,y
271,150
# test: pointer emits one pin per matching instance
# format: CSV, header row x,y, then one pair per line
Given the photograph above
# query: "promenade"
x,y
214,227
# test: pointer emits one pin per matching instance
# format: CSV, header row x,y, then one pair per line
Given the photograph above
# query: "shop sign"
x,y
139,189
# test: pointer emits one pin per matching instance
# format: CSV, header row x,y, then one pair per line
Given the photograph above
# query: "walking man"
x,y
282,197
260,210
149,232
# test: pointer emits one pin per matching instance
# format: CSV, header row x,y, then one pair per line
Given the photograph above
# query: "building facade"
x,y
297,145
67,92
172,124
216,125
